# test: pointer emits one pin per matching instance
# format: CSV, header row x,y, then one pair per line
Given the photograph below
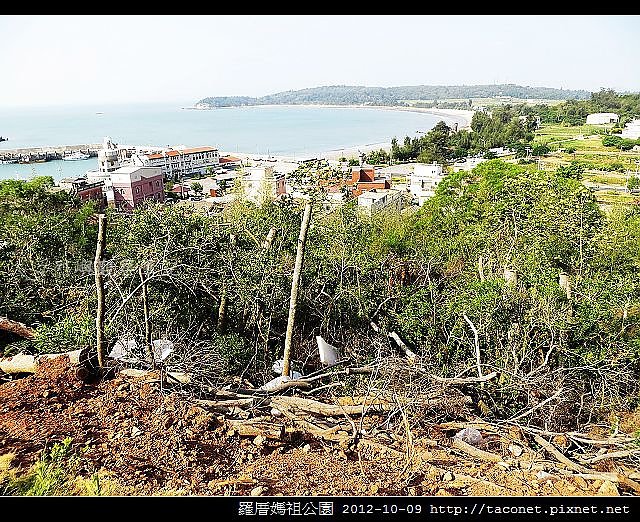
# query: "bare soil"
x,y
151,441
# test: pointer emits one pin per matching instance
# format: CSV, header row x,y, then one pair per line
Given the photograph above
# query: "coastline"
x,y
461,116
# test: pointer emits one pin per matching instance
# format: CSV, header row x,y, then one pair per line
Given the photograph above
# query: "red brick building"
x,y
133,185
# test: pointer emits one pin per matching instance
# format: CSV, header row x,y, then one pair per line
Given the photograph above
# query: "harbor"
x,y
44,154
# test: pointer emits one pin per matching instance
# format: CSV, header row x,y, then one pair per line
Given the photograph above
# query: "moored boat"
x,y
75,156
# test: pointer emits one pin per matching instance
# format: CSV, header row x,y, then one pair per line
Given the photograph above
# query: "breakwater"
x,y
43,154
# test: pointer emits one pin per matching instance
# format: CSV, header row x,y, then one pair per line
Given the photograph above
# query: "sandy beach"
x,y
459,116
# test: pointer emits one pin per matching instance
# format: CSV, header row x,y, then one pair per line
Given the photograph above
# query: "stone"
x,y
257,491
136,432
515,450
259,440
448,476
306,448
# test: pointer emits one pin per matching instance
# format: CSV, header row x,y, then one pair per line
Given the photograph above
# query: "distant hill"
x,y
360,95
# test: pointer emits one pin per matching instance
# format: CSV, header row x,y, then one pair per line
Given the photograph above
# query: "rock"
x,y
259,440
515,450
448,476
124,387
306,448
136,432
276,412
470,436
374,489
257,491
504,465
608,489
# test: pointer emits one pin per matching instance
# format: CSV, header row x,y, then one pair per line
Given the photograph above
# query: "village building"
x,y
180,162
601,118
631,130
364,179
423,181
469,163
132,185
376,200
84,191
262,184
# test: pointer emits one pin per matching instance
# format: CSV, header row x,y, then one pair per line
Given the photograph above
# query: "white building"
x,y
180,162
631,130
423,180
262,183
600,118
469,163
375,200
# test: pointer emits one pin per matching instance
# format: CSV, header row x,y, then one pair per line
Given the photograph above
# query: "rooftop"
x,y
177,152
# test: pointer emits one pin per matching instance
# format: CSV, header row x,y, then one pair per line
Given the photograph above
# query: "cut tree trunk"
x,y
23,363
17,328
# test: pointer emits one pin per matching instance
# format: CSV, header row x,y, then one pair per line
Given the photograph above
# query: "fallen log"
x,y
17,328
24,363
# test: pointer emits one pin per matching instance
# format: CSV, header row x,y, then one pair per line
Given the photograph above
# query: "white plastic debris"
x,y
123,349
162,348
274,383
328,353
470,436
278,366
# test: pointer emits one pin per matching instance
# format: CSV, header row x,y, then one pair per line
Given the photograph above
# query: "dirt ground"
x,y
156,442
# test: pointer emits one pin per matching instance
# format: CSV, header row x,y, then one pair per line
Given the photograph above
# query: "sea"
x,y
264,130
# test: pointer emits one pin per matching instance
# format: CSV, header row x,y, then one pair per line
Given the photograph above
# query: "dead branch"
x,y
537,406
476,342
559,456
293,300
476,452
328,410
467,380
99,278
17,328
251,428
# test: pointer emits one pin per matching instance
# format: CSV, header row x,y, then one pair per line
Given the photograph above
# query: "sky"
x,y
99,59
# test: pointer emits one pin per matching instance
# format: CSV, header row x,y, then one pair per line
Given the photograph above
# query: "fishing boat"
x,y
77,155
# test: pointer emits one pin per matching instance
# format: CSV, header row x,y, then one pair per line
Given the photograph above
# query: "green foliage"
x,y
196,187
378,157
633,183
51,476
574,170
346,95
67,334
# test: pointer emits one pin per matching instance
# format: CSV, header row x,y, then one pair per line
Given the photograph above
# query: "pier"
x,y
41,154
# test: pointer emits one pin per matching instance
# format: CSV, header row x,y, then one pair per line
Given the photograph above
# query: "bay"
x,y
275,130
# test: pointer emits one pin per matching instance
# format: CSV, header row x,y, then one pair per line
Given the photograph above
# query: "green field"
x,y
603,165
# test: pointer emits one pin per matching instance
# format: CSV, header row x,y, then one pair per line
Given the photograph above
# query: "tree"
x,y
196,187
633,183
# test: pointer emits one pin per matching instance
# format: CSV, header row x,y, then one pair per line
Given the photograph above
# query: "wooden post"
x,y
147,321
293,301
97,269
